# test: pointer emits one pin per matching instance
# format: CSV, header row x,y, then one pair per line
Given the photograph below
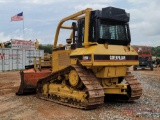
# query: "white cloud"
x,y
18,34
2,1
4,38
43,16
145,21
32,1
6,1
42,1
139,1
93,6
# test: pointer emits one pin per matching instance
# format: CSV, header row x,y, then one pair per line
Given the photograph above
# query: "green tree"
x,y
156,51
47,48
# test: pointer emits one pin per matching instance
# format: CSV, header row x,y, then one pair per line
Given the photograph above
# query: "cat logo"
x,y
113,57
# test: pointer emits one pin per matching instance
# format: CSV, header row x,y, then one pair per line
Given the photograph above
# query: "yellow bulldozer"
x,y
92,65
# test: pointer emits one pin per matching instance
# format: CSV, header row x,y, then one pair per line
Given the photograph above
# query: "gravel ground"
x,y
14,107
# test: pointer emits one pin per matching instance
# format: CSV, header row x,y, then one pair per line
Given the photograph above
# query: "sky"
x,y
41,18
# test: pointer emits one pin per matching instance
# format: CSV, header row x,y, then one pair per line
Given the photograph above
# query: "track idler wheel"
x,y
74,79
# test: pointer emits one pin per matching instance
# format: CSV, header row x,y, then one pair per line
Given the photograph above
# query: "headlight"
x,y
86,57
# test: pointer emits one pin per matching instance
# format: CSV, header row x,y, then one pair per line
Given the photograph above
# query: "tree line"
x,y
156,51
48,49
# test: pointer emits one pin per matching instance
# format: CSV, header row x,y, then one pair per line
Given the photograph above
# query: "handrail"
x,y
75,16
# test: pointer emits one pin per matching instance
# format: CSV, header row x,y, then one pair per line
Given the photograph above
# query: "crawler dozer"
x,y
94,62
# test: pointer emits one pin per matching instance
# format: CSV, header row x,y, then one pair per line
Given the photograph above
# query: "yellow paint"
x,y
111,86
36,45
60,59
2,45
64,92
106,70
73,78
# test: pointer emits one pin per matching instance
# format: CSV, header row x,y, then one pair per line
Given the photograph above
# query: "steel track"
x,y
135,86
94,89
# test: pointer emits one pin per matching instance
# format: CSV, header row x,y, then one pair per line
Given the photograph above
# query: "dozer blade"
x,y
29,79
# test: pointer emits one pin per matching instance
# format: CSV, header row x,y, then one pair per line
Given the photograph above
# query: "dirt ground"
x,y
29,107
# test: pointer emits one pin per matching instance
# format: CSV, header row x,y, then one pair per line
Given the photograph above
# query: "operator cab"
x,y
107,26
